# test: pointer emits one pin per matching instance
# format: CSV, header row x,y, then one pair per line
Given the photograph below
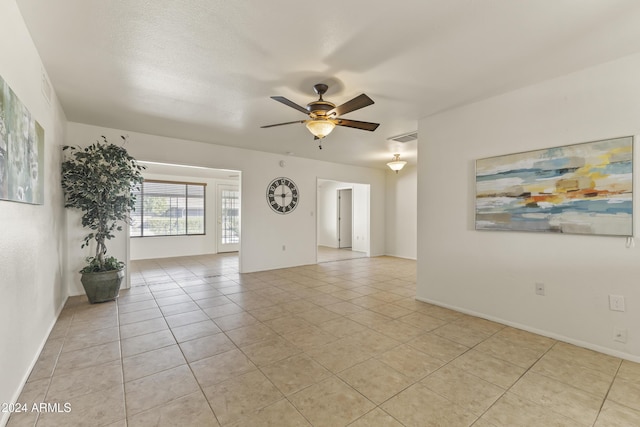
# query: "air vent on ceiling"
x,y
405,137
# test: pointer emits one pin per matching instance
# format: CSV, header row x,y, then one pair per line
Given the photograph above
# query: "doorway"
x,y
221,211
228,218
342,220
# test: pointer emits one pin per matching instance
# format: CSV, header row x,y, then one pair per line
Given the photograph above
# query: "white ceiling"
x,y
204,69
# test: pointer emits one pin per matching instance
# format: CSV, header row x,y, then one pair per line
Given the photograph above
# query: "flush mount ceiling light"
x,y
396,164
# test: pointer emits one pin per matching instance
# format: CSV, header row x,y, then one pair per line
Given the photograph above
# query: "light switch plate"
x,y
616,302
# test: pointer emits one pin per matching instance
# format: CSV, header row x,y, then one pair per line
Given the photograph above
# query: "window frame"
x,y
186,185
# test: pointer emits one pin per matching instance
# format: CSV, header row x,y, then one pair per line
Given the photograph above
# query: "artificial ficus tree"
x,y
99,180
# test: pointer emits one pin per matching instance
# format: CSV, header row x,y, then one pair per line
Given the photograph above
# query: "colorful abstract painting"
x,y
21,151
578,189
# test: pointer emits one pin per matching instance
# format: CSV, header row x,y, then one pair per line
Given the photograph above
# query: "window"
x,y
165,208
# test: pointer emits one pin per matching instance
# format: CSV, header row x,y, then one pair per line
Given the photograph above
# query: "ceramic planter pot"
x,y
102,286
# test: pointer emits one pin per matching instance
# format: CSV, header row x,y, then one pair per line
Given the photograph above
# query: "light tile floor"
x,y
326,254
194,343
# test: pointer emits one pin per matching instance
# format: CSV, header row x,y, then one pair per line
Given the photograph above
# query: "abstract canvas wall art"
x,y
577,189
21,151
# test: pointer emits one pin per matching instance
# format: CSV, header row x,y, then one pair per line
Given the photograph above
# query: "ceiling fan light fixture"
x,y
396,164
320,127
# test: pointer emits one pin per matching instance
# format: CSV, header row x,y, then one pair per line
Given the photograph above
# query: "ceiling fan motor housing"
x,y
318,109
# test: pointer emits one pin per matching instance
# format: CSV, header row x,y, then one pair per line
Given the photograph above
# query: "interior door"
x,y
228,218
345,218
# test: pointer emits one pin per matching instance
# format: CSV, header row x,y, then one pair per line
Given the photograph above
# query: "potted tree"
x,y
99,181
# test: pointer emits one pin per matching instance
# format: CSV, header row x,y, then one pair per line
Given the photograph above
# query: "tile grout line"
x,y
515,382
606,395
124,390
200,387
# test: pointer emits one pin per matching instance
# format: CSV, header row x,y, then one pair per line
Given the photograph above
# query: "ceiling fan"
x,y
324,116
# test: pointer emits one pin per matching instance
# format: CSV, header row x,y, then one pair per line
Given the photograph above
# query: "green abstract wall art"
x,y
21,151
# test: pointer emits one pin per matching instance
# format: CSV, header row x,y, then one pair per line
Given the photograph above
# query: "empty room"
x,y
414,213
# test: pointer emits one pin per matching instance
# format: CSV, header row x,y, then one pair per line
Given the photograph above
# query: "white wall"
x,y
328,212
264,232
31,236
361,215
493,273
402,212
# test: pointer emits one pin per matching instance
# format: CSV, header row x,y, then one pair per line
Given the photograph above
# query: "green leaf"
x,y
98,180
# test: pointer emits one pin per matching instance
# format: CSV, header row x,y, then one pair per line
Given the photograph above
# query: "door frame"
x,y
228,247
364,198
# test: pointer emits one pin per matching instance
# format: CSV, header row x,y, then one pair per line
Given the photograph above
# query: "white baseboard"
x,y
579,343
402,257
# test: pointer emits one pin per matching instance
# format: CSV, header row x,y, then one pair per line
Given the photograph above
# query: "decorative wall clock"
x,y
282,195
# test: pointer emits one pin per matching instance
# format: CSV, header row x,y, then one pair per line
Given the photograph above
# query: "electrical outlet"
x,y
616,303
539,288
620,335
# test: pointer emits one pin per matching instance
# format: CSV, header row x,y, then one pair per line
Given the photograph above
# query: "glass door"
x,y
228,218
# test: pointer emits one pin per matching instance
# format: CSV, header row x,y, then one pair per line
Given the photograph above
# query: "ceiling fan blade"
x,y
356,124
281,124
291,104
356,103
